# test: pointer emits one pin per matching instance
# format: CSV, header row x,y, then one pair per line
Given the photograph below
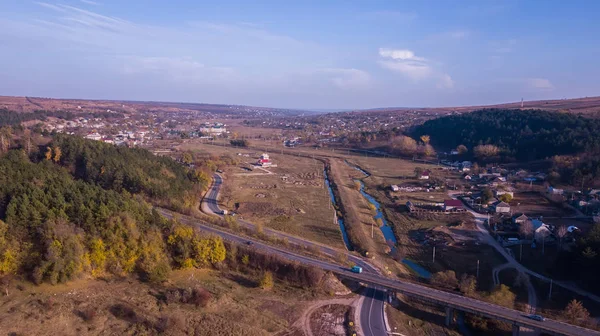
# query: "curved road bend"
x,y
487,238
372,310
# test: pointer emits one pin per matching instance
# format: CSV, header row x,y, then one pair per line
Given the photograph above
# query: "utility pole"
x,y
550,292
521,250
372,226
434,253
543,243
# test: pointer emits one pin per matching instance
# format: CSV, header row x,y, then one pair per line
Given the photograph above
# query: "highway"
x,y
372,320
369,323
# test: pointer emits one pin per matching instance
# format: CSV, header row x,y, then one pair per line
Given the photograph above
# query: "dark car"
x,y
536,317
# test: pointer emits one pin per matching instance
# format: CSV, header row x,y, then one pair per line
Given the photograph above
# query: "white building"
x,y
94,136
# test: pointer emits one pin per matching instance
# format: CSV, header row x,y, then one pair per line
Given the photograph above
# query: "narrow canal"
x,y
386,229
339,220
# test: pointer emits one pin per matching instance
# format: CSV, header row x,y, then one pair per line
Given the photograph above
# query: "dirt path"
x,y
304,322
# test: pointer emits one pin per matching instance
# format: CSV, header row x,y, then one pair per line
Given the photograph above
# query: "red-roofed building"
x,y
453,204
424,175
264,161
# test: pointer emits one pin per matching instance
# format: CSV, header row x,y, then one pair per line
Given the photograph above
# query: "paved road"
x,y
415,290
370,276
479,220
372,320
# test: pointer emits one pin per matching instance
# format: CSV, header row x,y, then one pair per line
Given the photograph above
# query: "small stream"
x,y
386,229
339,220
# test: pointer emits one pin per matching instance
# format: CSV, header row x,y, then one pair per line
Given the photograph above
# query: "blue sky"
x,y
308,54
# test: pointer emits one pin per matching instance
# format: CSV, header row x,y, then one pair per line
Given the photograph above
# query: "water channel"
x,y
339,220
386,229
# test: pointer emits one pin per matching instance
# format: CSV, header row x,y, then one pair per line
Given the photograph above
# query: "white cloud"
x,y
445,82
176,68
396,16
90,2
347,78
503,47
406,62
539,83
458,34
414,67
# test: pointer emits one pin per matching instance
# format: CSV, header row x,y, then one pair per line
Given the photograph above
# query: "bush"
x,y
446,279
200,297
502,296
267,281
87,314
575,313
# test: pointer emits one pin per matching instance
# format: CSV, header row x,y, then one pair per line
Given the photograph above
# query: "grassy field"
x,y
358,215
533,204
290,197
128,307
386,171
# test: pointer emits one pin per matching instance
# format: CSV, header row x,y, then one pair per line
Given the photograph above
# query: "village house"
x,y
265,161
94,136
554,191
501,207
424,175
519,219
541,231
395,187
453,204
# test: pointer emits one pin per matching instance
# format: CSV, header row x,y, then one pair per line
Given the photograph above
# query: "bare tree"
x,y
561,232
526,229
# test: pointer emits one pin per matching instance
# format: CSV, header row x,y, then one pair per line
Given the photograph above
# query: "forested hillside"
x,y
81,209
137,171
521,135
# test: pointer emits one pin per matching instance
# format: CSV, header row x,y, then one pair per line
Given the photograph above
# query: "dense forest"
x,y
80,207
137,171
521,135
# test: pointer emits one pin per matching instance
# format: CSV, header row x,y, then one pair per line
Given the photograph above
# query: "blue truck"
x,y
356,269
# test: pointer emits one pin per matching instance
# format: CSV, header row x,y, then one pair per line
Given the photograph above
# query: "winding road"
x,y
372,320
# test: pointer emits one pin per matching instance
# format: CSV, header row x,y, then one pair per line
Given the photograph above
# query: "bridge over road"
x,y
454,302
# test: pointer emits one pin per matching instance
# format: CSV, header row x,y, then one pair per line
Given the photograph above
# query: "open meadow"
x,y
290,197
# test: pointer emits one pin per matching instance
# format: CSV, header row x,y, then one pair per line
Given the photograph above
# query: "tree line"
x,y
78,207
515,134
8,117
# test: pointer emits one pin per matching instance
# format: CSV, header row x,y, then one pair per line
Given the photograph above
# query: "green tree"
x,y
462,149
506,198
486,196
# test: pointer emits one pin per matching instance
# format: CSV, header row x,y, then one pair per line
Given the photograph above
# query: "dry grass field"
x,y
290,197
128,307
534,205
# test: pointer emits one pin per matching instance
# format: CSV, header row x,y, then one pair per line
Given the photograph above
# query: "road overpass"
x,y
452,302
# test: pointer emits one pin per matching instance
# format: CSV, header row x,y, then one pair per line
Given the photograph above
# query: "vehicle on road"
x,y
356,269
249,243
536,317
